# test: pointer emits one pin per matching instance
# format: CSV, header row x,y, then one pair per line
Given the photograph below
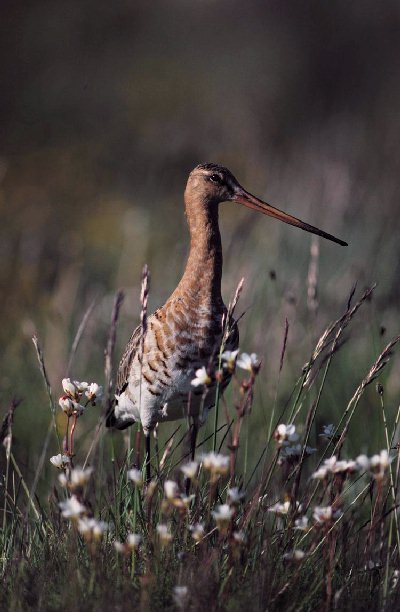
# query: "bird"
x,y
155,374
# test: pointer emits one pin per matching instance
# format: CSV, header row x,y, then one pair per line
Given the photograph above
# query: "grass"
x,y
272,536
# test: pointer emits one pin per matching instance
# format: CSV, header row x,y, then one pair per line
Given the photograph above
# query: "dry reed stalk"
x,y
6,426
247,389
52,425
233,303
109,352
108,371
392,489
38,473
272,424
39,354
342,322
6,440
144,296
284,344
326,338
226,325
371,375
325,341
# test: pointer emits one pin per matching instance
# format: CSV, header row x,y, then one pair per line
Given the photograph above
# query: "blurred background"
x,y
106,107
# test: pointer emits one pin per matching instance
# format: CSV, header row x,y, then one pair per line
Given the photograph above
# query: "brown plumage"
x,y
185,334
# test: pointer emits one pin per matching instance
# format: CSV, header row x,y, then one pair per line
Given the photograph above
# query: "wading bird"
x,y
186,332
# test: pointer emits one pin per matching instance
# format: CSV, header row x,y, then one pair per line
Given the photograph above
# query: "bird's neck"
x,y
202,277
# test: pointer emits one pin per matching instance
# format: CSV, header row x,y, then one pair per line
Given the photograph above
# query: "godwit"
x,y
186,332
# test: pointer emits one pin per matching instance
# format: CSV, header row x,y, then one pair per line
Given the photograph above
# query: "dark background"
x,y
106,107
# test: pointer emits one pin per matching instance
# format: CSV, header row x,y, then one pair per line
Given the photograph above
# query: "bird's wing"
x,y
126,361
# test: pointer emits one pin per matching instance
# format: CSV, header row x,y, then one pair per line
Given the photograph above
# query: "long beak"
x,y
243,197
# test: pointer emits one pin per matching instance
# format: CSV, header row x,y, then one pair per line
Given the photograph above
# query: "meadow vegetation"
x,y
281,524
105,110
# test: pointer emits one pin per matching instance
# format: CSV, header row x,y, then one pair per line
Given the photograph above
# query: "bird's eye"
x,y
215,178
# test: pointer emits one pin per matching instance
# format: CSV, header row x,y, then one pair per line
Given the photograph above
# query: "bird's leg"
x,y
194,427
193,437
156,448
147,457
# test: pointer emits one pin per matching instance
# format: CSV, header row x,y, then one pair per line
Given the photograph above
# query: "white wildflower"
x,y
379,463
222,515
63,480
339,466
286,433
334,465
229,360
363,463
295,555
190,469
197,531
279,508
133,540
72,508
171,489
70,388
251,363
67,405
60,461
135,476
325,514
330,463
163,533
215,463
202,378
70,406
94,392
344,466
180,596
321,473
301,523
80,477
81,386
92,529
239,537
235,495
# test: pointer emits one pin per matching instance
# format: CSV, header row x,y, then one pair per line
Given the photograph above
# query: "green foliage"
x,y
255,547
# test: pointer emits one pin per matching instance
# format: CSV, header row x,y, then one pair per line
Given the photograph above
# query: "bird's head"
x,y
212,184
